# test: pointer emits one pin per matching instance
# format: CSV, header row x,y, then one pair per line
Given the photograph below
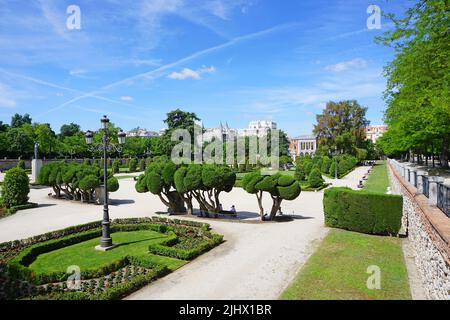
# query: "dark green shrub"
x,y
15,188
333,169
113,184
315,179
21,164
308,168
326,164
142,165
132,165
115,166
300,174
362,211
89,183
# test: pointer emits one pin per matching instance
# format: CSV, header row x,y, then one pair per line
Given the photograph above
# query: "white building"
x,y
258,128
142,133
223,132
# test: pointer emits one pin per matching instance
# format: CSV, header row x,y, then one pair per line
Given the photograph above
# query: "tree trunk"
x,y
275,207
444,152
261,208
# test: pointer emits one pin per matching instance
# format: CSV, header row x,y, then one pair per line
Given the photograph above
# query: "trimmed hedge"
x,y
362,211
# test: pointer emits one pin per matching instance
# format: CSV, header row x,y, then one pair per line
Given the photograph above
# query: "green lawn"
x,y
124,177
378,179
84,255
337,270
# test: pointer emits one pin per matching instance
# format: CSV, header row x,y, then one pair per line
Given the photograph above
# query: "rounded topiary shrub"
x,y
315,179
142,165
300,174
15,188
132,166
21,164
113,184
115,166
89,183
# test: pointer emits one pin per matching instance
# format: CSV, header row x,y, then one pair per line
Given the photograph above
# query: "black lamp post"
x,y
105,146
336,164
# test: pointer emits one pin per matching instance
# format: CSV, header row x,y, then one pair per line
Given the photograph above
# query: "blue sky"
x,y
233,61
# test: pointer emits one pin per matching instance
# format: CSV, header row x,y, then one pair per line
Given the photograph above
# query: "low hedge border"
x,y
26,206
166,248
18,265
363,211
115,292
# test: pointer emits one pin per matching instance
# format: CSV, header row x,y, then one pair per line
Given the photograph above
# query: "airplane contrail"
x,y
153,73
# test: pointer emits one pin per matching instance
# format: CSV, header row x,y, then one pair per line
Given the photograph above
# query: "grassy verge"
x,y
85,255
378,179
338,269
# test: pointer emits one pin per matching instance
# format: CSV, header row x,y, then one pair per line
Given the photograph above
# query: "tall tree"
x,y
17,120
68,130
418,112
342,125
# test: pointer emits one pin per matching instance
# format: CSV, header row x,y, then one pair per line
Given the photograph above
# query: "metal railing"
x,y
443,199
426,186
409,175
415,179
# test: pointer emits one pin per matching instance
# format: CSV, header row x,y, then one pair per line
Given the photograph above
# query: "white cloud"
x,y
357,63
7,99
126,98
187,73
78,73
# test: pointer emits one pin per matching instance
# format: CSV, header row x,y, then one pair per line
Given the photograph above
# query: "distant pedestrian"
x,y
233,209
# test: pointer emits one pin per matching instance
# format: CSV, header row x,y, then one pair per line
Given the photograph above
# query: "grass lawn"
x,y
84,255
337,270
124,177
378,179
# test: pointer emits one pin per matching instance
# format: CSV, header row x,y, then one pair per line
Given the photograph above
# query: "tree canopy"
x,y
418,112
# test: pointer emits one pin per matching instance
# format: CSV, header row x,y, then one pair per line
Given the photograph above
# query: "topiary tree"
x,y
88,185
15,188
308,167
132,165
115,166
326,164
159,180
333,169
188,180
113,184
67,179
300,174
215,179
315,179
280,187
21,164
142,165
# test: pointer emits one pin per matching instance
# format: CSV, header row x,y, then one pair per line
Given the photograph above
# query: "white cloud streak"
x,y
187,73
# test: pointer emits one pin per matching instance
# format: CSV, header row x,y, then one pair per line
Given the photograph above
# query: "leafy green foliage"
x,y
418,94
15,188
315,179
362,211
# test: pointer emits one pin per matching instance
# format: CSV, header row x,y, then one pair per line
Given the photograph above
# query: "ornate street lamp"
x,y
336,164
105,146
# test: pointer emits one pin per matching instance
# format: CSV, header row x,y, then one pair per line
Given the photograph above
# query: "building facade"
x,y
258,128
375,132
142,133
223,132
302,146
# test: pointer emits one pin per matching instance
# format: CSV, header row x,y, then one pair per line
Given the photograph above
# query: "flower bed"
x,y
182,240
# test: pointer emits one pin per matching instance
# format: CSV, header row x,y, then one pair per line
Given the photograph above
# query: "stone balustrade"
x,y
427,227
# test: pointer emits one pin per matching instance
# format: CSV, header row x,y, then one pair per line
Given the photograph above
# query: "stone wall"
x,y
428,229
